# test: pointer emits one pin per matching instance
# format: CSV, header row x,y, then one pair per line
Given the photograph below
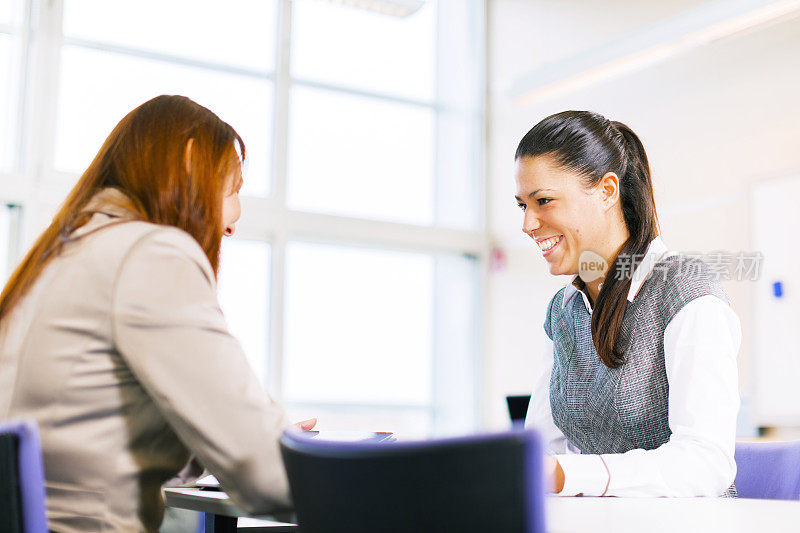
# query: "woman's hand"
x,y
554,473
306,425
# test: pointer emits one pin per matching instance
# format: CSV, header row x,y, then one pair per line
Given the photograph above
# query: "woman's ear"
x,y
609,189
187,155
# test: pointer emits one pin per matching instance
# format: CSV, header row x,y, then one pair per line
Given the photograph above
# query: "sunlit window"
x,y
6,85
358,325
351,282
230,74
5,11
235,33
9,240
363,157
10,40
244,296
91,105
363,50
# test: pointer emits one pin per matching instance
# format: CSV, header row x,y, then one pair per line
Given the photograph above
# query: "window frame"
x,y
38,188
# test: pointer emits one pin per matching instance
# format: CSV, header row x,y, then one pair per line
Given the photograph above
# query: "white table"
x,y
596,515
222,515
671,515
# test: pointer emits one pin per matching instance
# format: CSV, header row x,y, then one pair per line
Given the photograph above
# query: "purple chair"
x,y
468,484
768,470
21,478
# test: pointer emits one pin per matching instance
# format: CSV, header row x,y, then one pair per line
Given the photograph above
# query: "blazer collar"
x,y
108,206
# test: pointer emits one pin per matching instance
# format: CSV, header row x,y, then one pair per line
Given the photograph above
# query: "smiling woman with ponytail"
x,y
638,395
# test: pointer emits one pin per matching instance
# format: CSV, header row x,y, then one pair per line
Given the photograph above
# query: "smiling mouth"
x,y
548,244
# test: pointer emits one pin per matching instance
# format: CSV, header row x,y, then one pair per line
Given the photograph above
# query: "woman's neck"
x,y
609,250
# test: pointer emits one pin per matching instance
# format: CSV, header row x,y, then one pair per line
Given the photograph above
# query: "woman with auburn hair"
x,y
638,395
112,339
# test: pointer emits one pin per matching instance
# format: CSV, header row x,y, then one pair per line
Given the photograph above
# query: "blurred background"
x,y
378,278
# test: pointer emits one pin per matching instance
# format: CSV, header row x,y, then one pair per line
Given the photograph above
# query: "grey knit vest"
x,y
605,410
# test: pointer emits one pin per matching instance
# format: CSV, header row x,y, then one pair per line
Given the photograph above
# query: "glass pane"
x,y
355,48
9,240
7,118
5,11
458,163
358,325
459,89
91,105
457,340
360,157
244,296
237,32
11,12
5,243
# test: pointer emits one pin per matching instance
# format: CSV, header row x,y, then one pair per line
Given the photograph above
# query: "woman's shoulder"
x,y
128,234
681,270
556,302
679,278
135,240
554,305
163,240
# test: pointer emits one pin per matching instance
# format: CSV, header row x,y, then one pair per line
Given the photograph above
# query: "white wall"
x,y
714,121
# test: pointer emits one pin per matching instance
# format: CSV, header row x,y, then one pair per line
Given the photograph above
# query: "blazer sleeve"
x,y
170,330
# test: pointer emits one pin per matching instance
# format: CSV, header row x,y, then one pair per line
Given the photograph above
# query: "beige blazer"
x,y
122,355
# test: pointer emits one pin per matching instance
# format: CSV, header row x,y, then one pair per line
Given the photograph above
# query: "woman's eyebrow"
x,y
531,195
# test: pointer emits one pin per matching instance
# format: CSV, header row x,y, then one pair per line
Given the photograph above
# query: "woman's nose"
x,y
530,224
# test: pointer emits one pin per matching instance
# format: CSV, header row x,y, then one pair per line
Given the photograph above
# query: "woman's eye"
x,y
543,201
521,206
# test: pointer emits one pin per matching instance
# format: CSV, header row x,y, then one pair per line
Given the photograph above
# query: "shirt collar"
x,y
575,286
656,251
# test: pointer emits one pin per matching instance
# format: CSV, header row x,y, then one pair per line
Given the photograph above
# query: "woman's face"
x,y
231,207
560,214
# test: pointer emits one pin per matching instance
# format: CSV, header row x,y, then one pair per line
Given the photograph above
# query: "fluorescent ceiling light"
x,y
700,26
395,8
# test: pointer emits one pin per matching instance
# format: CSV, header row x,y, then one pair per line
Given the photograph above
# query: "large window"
x,y
372,338
358,156
11,40
353,282
116,55
6,84
9,239
244,297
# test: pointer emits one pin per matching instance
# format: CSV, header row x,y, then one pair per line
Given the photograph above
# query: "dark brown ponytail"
x,y
593,146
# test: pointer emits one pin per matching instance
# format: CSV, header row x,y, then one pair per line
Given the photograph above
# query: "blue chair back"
x,y
21,478
768,470
477,483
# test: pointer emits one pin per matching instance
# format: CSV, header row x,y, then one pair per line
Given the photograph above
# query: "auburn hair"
x,y
592,146
147,157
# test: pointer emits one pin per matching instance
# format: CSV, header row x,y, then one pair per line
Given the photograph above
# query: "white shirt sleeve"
x,y
539,414
700,348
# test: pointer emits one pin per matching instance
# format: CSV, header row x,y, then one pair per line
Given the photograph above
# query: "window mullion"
x,y
275,360
282,87
24,41
276,316
42,86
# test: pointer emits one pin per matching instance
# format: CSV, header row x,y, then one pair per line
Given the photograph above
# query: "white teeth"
x,y
549,243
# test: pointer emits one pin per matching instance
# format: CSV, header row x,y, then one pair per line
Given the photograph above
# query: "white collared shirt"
x,y
701,343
